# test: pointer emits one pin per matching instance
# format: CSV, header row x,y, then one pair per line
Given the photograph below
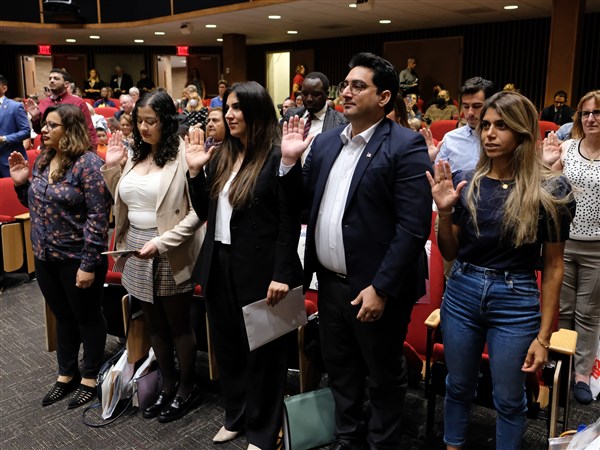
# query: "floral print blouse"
x,y
69,218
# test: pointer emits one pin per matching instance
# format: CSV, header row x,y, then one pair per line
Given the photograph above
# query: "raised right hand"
x,y
32,108
19,168
195,153
116,153
551,149
442,189
292,142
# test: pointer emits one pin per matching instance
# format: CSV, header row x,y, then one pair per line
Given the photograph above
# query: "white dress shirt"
x,y
224,212
329,239
316,126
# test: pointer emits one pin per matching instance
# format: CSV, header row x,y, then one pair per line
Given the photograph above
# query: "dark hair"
x,y
262,132
74,142
100,129
400,110
561,93
476,84
168,147
3,80
319,76
62,72
143,72
385,75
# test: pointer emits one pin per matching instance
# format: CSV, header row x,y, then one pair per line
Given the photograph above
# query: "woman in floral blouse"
x,y
69,206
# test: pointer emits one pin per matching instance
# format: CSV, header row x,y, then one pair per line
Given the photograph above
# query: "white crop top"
x,y
140,193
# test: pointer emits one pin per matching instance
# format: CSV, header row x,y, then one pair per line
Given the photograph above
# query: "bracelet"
x,y
445,213
546,346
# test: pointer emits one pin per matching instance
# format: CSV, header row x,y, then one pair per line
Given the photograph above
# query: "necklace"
x,y
592,157
505,184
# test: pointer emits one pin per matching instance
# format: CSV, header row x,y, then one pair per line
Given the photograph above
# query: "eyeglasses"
x,y
51,125
356,86
586,114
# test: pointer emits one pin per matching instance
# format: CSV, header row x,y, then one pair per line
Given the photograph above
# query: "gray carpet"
x,y
27,371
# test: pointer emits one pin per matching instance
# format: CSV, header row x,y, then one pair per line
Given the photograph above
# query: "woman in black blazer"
x,y
249,253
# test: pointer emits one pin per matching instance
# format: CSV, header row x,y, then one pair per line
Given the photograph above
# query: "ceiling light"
x,y
159,33
210,25
352,5
138,41
219,39
71,40
274,17
292,32
511,7
94,37
385,21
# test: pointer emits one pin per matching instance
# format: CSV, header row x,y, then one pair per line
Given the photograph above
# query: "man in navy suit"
x,y
14,128
370,216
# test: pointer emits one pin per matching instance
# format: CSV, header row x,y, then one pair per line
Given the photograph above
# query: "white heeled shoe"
x,y
224,435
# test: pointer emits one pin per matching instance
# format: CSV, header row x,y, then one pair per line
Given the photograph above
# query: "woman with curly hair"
x,y
154,216
496,220
69,203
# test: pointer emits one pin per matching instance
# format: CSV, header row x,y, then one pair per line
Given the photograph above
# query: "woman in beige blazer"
x,y
154,217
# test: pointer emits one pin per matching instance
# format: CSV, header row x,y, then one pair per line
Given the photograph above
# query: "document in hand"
x,y
266,323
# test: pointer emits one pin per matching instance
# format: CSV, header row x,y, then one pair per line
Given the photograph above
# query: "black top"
x,y
490,249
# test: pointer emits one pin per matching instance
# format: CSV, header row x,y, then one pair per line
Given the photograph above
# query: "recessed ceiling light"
x,y
292,32
94,37
159,33
274,17
210,25
138,41
219,39
71,40
352,5
385,21
511,7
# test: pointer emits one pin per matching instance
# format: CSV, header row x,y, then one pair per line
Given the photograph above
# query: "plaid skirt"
x,y
147,278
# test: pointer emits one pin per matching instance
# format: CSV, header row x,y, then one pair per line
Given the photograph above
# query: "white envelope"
x,y
266,323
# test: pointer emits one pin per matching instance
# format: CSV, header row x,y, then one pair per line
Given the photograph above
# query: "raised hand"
x,y
19,168
292,142
116,153
432,149
32,108
442,189
551,149
195,153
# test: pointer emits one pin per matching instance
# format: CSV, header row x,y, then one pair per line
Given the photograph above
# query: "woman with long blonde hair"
x,y
495,221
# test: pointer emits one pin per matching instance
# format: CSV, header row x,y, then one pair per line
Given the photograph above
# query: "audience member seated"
x,y
299,100
134,93
104,100
218,101
127,105
283,108
113,125
412,109
435,91
102,142
92,85
196,111
215,128
443,109
559,113
126,127
98,120
145,83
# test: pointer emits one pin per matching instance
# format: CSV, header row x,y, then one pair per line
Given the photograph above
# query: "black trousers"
x,y
79,317
363,356
253,383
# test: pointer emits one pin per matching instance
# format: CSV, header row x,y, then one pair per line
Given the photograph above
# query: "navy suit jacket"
x,y
387,218
15,126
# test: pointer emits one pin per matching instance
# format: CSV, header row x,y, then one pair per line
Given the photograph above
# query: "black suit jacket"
x,y
126,83
264,234
331,120
387,217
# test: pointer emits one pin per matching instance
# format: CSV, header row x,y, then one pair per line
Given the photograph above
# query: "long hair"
x,y
74,142
261,133
534,183
577,130
168,147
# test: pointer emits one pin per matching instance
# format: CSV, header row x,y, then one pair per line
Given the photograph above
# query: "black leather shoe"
x,y
163,400
179,407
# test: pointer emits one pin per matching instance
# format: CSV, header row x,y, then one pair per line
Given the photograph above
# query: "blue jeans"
x,y
500,308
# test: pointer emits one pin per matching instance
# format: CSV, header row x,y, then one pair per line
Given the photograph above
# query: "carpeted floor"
x,y
27,371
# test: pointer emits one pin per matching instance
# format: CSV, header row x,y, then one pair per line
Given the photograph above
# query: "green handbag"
x,y
308,420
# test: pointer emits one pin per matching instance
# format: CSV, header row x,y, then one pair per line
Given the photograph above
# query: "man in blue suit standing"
x,y
14,128
370,216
